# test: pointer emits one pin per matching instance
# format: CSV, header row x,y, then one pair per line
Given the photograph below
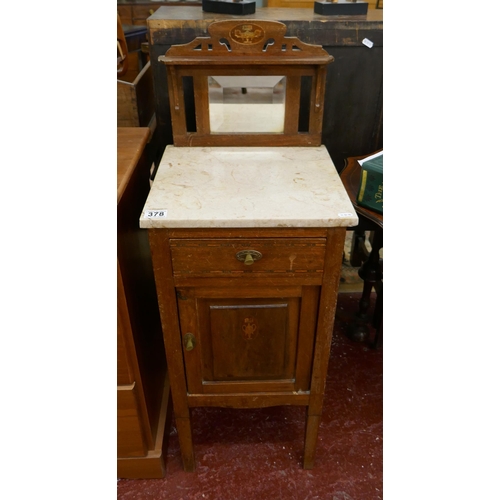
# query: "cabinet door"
x,y
240,340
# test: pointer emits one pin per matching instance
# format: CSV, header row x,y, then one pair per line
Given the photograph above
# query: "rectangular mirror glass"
x,y
247,104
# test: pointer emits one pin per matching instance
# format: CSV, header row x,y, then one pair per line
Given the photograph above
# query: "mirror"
x,y
247,104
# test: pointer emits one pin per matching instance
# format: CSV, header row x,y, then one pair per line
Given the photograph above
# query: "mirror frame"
x,y
253,48
246,104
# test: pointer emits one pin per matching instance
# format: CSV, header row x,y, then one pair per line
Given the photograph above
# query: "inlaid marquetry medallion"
x,y
247,34
250,328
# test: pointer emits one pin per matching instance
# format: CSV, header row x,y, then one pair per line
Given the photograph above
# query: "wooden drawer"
x,y
218,257
131,440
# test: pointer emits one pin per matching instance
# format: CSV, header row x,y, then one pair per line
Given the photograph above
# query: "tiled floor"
x,y
257,453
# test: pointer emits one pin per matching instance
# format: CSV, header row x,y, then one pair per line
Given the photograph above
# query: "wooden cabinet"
x,y
247,306
245,336
247,340
143,389
247,237
136,12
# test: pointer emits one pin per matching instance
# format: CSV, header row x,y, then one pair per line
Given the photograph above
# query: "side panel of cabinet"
x,y
131,440
125,365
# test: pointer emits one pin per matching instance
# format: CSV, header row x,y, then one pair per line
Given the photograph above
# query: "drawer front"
x,y
226,257
131,439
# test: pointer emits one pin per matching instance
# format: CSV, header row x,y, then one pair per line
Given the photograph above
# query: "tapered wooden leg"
x,y
186,443
312,427
324,331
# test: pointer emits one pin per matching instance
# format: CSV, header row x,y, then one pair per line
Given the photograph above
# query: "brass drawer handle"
x,y
189,341
248,256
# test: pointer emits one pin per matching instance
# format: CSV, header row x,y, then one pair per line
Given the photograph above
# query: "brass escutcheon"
x,y
248,256
189,341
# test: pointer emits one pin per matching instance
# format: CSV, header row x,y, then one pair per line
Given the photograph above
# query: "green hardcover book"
x,y
371,186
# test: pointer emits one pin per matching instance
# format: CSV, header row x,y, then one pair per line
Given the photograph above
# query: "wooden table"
x,y
142,382
131,143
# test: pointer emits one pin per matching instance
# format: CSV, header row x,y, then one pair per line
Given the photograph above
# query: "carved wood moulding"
x,y
251,42
246,84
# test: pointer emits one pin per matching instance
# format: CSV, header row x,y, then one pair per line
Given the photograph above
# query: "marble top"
x,y
242,187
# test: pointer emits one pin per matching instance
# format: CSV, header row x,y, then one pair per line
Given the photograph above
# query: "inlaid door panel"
x,y
241,344
250,339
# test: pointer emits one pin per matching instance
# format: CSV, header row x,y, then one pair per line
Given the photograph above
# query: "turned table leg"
x,y
371,274
358,253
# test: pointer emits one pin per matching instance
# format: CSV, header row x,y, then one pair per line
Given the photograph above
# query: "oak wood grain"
x,y
218,256
130,146
254,400
132,441
229,366
250,48
152,465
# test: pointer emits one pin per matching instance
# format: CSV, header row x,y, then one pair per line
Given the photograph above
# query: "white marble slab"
x,y
247,187
247,118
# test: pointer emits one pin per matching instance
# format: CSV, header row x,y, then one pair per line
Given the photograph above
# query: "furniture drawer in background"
x,y
218,256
